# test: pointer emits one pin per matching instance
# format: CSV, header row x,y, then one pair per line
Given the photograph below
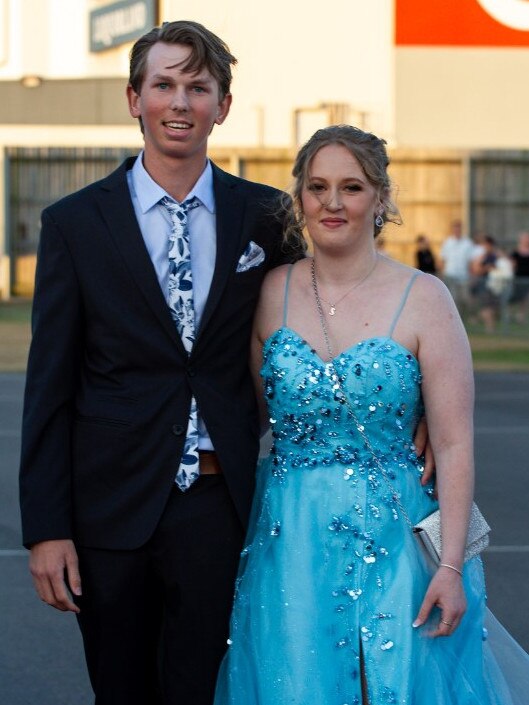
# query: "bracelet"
x,y
452,567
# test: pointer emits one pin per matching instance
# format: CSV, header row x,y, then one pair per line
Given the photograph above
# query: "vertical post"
x,y
504,306
5,254
236,165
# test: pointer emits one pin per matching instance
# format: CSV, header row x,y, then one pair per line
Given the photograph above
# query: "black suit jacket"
x,y
109,383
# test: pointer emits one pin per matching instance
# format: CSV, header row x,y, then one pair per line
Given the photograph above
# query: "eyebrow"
x,y
348,178
199,78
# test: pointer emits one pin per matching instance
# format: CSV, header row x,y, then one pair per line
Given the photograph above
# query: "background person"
x,y
520,262
456,254
492,280
424,257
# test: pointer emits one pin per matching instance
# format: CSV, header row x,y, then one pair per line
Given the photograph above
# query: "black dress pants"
x,y
155,620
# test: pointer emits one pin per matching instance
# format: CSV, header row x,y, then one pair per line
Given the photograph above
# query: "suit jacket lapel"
x,y
229,207
118,212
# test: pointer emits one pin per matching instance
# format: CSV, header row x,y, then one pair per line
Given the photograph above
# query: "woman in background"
x,y
520,262
424,257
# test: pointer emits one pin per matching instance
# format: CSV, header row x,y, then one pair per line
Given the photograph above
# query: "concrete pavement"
x,y
41,660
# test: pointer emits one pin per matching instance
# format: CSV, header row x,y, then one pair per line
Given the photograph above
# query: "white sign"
x,y
512,13
120,22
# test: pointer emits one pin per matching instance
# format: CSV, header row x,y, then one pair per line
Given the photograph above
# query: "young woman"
x,y
335,604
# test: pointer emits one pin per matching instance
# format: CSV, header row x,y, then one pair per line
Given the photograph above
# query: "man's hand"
x,y
49,563
423,447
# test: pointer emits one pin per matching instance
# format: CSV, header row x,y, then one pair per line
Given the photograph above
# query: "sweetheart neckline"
x,y
346,350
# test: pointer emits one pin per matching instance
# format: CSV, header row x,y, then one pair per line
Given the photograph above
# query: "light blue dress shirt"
x,y
155,226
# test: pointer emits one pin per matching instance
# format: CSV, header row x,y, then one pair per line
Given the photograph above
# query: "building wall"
x,y
444,87
462,98
446,76
291,55
459,69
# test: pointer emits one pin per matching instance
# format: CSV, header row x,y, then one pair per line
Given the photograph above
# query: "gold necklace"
x,y
332,307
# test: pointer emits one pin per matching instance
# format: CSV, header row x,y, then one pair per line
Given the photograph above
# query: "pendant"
x,y
332,310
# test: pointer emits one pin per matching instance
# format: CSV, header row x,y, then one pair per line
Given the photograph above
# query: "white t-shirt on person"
x,y
457,254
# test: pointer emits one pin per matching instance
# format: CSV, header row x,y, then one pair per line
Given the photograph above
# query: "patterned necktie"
x,y
181,305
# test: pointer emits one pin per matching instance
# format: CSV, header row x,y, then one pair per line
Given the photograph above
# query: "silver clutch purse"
x,y
428,533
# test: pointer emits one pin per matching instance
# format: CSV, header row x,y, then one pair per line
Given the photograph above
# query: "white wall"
x,y
292,54
299,53
462,98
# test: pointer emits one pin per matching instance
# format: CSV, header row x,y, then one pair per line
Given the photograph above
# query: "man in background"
x,y
457,252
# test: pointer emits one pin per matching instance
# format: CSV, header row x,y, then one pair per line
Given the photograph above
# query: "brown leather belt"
x,y
208,462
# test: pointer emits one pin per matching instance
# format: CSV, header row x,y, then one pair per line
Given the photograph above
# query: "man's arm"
x,y
423,447
45,470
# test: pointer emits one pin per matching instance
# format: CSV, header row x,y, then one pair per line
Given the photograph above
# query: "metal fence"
x,y
489,191
35,178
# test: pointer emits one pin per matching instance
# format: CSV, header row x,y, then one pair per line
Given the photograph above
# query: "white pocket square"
x,y
252,256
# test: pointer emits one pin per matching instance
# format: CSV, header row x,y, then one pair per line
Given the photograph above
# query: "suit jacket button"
x,y
177,429
191,371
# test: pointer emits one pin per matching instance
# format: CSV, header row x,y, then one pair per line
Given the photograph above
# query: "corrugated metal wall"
x,y
37,177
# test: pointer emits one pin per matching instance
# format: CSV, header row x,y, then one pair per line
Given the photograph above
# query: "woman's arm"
x,y
448,392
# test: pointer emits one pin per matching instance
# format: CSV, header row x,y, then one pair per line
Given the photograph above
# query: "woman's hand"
x,y
446,593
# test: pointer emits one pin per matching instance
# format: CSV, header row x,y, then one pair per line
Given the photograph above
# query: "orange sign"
x,y
487,23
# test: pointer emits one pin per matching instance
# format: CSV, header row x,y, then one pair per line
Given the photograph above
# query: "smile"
x,y
178,125
333,222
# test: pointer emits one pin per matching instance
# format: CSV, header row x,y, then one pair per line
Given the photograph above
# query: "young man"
x,y
457,253
140,433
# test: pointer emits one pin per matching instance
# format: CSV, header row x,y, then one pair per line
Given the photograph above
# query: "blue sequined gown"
x,y
331,573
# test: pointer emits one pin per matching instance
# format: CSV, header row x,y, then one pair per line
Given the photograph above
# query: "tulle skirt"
x,y
302,633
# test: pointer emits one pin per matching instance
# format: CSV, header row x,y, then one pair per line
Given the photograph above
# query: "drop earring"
x,y
379,221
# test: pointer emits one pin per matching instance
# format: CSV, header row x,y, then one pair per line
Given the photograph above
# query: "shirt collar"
x,y
149,193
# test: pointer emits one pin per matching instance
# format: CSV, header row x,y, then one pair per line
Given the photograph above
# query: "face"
x,y
339,203
178,110
523,241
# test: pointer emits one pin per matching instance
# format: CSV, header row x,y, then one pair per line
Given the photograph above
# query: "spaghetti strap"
x,y
285,301
402,303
